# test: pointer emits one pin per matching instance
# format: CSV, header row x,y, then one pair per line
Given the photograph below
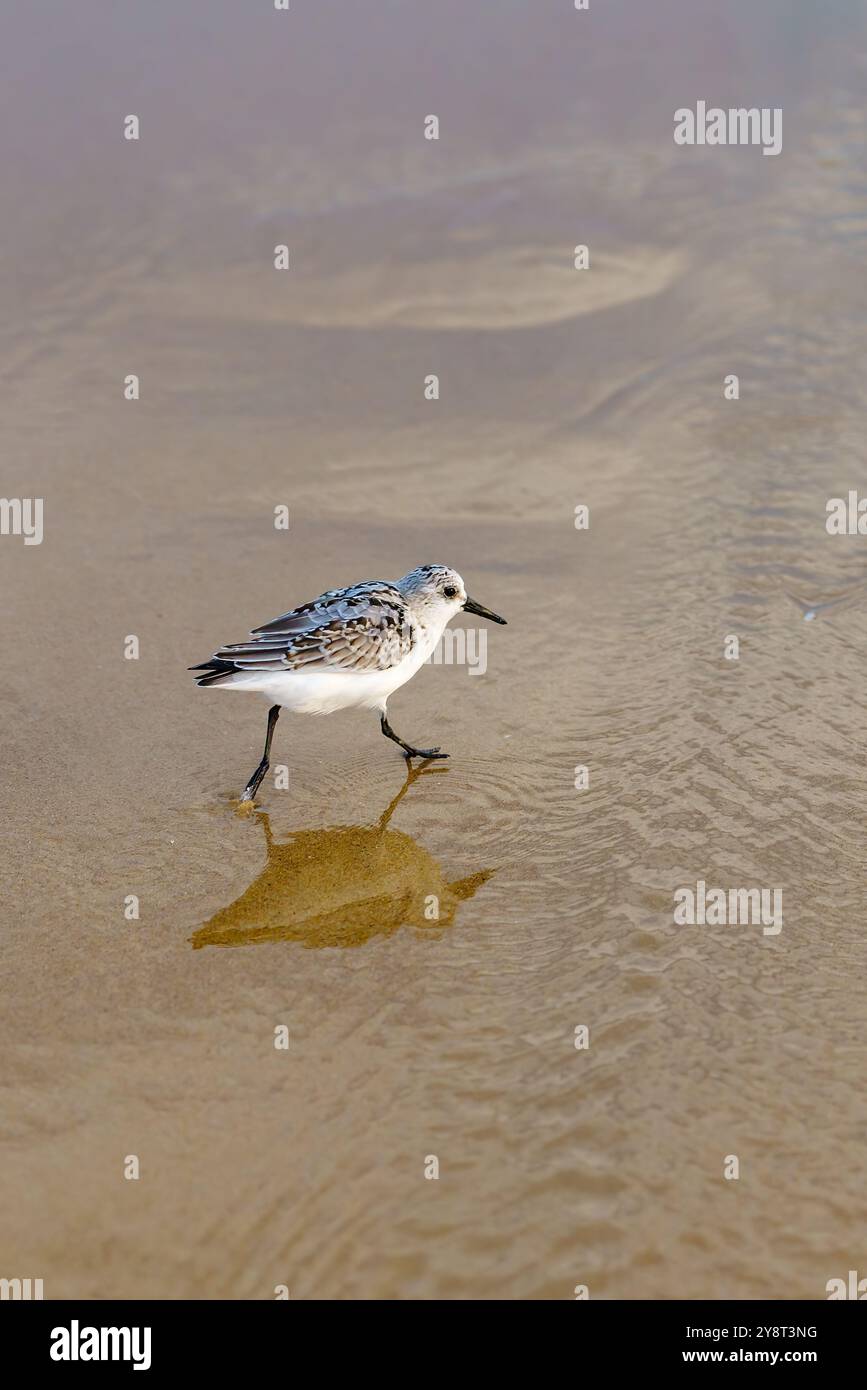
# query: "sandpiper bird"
x,y
348,649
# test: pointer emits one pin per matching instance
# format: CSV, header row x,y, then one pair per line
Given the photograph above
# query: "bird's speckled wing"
x,y
364,628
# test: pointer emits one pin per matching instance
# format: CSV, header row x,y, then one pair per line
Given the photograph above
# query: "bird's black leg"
x,y
407,747
255,781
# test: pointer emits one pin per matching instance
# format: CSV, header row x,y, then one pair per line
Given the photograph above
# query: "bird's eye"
x,y
450,591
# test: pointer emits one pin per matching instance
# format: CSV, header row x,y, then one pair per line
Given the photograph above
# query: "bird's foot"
x,y
424,753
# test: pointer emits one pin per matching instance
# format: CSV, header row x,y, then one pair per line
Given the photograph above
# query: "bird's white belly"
x,y
325,692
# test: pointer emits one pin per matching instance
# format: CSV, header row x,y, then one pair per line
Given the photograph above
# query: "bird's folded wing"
x,y
365,628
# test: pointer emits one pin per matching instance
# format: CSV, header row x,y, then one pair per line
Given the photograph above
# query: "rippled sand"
x,y
410,1036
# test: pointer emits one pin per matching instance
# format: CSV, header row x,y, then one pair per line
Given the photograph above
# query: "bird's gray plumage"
x,y
365,627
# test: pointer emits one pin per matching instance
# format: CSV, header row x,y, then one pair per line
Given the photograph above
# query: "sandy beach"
x,y
409,1037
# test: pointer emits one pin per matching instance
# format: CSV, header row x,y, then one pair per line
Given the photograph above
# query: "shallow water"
x,y
454,1036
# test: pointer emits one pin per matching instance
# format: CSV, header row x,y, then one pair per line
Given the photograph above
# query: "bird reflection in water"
x,y
341,887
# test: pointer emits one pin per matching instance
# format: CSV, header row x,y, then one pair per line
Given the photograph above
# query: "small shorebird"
x,y
348,649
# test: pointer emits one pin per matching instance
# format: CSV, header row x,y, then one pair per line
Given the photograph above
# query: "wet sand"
x,y
454,1037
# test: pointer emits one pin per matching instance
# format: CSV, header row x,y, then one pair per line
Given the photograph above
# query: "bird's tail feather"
x,y
214,670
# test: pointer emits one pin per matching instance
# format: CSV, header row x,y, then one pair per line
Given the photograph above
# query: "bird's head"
x,y
437,593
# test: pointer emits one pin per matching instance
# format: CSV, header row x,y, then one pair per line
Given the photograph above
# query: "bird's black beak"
x,y
472,607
